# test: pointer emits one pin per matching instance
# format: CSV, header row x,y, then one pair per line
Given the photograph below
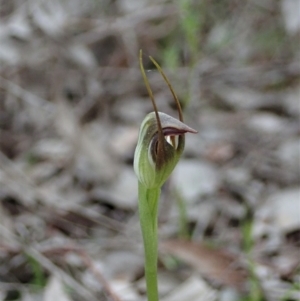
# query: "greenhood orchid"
x,y
160,145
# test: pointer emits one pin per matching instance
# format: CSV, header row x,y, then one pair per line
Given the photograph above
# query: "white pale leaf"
x,y
55,291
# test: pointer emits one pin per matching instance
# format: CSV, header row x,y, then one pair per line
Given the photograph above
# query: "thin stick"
x,y
99,277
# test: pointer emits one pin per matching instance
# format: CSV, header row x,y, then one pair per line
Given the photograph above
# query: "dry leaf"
x,y
216,265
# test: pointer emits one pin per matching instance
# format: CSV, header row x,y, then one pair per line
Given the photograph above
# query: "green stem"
x,y
148,208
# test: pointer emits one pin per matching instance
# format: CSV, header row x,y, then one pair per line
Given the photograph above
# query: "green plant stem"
x,y
148,208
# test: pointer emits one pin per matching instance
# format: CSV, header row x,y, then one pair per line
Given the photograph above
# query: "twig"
x,y
87,260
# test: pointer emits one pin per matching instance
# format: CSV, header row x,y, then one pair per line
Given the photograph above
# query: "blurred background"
x,y
71,102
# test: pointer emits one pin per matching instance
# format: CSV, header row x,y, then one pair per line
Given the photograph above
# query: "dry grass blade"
x,y
216,265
